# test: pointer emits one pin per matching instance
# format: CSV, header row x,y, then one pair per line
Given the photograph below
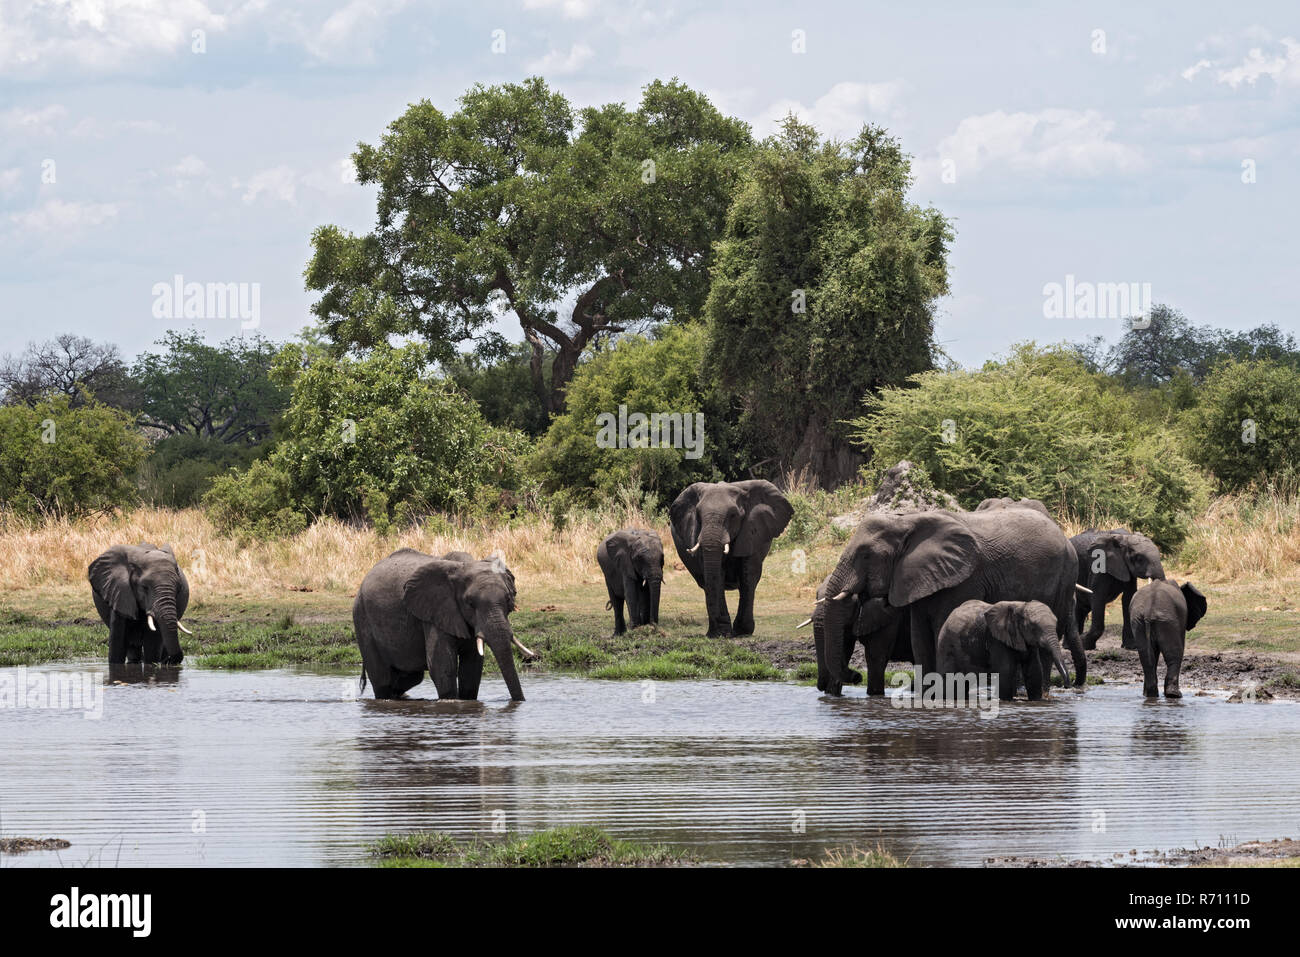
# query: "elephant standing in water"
x,y
1110,563
141,594
414,611
722,531
884,632
633,563
931,562
1008,638
1163,612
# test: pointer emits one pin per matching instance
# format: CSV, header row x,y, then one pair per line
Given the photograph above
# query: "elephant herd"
x,y
991,591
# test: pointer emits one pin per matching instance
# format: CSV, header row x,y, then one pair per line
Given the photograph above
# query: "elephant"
x,y
1007,637
996,503
885,635
1110,562
931,562
459,557
141,594
414,611
723,531
1162,613
633,563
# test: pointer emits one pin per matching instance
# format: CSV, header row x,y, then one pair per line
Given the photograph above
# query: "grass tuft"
x,y
571,846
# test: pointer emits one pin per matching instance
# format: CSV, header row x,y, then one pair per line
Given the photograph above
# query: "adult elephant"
x,y
632,561
723,531
414,611
998,503
1110,563
931,562
883,631
141,593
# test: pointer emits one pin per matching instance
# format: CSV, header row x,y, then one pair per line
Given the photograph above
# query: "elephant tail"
x,y
363,679
609,604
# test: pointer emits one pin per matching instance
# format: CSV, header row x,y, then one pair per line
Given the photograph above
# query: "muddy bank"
x,y
17,845
1269,676
1280,853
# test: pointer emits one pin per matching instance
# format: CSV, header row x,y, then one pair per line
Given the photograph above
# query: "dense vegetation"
x,y
657,260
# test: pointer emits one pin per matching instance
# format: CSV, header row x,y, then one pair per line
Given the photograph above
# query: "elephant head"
x,y
1026,627
897,558
1126,555
643,554
470,601
716,520
143,581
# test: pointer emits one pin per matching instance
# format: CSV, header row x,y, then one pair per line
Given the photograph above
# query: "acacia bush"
x,y
57,458
373,438
1039,425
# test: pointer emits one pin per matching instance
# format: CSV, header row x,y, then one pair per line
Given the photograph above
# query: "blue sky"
x,y
1111,157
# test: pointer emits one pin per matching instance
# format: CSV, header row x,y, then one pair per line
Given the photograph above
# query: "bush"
x,y
1038,425
647,376
1246,426
373,438
181,468
57,459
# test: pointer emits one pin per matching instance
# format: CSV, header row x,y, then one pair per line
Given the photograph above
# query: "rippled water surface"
x,y
289,768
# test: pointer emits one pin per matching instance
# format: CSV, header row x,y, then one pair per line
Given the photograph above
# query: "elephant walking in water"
x,y
1163,612
931,562
723,531
1009,639
141,593
414,611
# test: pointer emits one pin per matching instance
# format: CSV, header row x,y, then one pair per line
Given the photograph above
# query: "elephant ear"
x,y
1196,604
1006,624
937,552
686,529
1113,548
767,513
110,576
432,593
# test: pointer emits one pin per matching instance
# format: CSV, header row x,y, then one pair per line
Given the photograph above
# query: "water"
x,y
279,768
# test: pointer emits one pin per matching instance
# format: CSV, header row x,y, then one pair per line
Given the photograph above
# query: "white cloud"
x,y
277,183
350,33
1282,66
55,215
841,111
1051,142
556,63
571,9
9,180
1190,73
40,122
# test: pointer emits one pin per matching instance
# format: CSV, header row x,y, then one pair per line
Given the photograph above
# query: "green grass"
x,y
859,857
573,846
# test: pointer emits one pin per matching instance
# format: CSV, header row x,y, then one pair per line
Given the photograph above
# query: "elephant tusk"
x,y
1086,591
726,548
820,600
841,596
803,624
522,647
183,628
480,646
692,551
149,618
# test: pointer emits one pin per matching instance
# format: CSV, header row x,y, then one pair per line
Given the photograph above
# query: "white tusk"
x,y
820,600
522,647
1086,591
183,628
803,624
841,596
152,626
480,647
726,548
692,551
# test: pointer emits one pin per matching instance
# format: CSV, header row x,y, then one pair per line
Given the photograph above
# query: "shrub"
x,y
60,459
181,468
647,376
1246,426
1037,425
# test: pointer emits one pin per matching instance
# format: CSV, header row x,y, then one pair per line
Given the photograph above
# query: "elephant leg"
x,y
1032,666
1130,587
1097,608
116,639
719,617
444,664
1170,644
1081,609
151,644
923,643
751,570
470,672
877,649
620,625
1147,655
636,606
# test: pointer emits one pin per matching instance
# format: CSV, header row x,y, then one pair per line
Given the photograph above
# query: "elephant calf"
x,y
414,611
141,594
1006,638
1162,613
633,563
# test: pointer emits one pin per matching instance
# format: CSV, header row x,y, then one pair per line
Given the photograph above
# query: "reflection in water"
x,y
276,767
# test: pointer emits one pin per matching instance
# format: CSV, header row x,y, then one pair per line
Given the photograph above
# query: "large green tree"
x,y
823,291
580,225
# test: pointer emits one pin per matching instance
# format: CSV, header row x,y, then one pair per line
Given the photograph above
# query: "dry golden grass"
x,y
1246,536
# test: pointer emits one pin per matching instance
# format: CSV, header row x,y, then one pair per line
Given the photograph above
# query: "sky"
x,y
1153,144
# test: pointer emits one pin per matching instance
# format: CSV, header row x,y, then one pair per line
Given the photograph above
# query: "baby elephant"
x,y
633,563
1161,614
1005,638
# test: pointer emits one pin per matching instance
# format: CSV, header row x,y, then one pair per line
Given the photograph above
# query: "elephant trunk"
x,y
653,587
1055,647
498,636
167,622
711,542
836,612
